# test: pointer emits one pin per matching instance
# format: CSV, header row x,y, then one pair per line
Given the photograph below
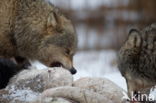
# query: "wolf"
x,y
37,30
137,57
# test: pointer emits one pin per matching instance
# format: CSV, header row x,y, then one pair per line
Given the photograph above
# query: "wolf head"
x,y
59,44
45,35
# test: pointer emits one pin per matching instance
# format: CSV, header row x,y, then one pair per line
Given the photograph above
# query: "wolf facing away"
x,y
36,30
137,59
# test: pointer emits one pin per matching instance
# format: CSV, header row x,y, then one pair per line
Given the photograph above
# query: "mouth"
x,y
58,64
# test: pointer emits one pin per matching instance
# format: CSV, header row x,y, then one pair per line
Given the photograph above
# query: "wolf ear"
x,y
52,23
134,37
52,20
134,31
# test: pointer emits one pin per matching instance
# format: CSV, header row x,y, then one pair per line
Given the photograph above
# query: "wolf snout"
x,y
73,71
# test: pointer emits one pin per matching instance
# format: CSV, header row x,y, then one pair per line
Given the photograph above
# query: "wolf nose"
x,y
73,71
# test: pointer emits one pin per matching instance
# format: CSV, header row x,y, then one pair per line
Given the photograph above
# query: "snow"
x,y
22,95
153,93
98,64
38,65
95,64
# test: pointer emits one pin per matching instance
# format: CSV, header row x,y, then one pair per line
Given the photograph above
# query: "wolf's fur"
x,y
36,30
137,59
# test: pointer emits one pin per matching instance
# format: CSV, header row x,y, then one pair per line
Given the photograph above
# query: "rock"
x,y
76,94
101,86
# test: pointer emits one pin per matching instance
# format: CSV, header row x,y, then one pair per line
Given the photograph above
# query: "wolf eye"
x,y
56,64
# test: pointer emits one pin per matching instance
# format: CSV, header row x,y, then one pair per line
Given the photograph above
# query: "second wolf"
x,y
137,59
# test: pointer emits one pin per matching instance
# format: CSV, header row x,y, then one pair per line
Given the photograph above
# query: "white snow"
x,y
95,64
22,95
153,93
38,65
98,64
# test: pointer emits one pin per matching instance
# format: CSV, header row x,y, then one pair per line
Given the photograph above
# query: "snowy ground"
x,y
96,64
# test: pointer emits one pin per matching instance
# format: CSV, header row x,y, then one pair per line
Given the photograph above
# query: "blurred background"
x,y
102,26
